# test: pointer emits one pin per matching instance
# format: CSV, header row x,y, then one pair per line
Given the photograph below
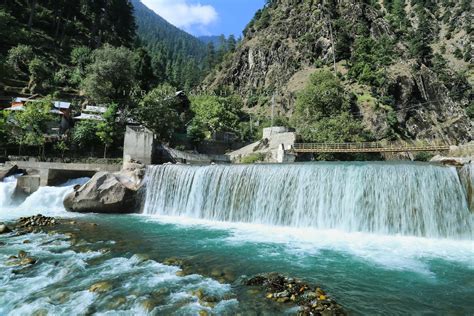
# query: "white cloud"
x,y
184,14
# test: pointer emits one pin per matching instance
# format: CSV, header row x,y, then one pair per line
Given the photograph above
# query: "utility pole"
x,y
333,46
273,107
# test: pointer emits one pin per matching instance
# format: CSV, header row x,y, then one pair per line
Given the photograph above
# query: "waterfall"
x,y
46,200
7,188
398,198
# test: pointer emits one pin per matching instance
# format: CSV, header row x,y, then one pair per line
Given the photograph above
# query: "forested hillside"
x,y
177,56
402,69
180,58
37,39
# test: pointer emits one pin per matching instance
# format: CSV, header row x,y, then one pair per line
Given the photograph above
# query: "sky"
x,y
207,17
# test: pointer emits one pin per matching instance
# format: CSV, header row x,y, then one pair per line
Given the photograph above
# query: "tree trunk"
x,y
32,4
105,151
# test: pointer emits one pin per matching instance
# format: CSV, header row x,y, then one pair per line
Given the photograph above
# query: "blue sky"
x,y
207,17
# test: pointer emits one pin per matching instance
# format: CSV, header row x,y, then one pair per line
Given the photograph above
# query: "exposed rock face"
x,y
107,193
425,109
280,52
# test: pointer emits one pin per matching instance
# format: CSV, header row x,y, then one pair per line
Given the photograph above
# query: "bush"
x,y
423,156
470,110
19,58
253,158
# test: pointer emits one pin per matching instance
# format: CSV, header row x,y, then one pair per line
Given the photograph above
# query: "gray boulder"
x,y
112,193
8,171
4,229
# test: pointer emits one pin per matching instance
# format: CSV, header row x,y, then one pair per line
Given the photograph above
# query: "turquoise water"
x,y
366,274
381,239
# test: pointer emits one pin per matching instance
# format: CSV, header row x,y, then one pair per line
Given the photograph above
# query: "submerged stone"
x,y
4,229
100,287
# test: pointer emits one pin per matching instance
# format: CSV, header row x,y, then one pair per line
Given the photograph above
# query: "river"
x,y
380,238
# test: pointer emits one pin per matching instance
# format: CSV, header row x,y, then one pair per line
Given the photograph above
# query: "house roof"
x,y
20,100
90,117
61,105
95,109
22,108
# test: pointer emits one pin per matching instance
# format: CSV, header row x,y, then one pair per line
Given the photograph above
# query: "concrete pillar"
x,y
44,177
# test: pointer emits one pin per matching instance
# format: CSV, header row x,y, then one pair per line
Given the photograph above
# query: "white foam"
x,y
388,251
60,270
46,200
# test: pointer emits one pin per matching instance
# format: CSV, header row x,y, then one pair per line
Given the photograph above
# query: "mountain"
x,y
405,64
178,55
214,39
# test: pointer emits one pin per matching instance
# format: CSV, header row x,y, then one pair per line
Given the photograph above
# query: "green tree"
x,y
421,39
4,129
107,129
32,124
158,111
143,69
324,95
111,75
216,114
85,134
81,57
19,58
322,112
40,74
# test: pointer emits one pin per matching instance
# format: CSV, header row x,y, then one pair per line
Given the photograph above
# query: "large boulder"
x,y
7,171
105,193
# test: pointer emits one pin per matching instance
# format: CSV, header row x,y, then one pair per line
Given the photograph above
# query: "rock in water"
x,y
4,229
104,193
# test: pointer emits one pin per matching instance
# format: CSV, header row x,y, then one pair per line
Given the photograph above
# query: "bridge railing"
x,y
371,146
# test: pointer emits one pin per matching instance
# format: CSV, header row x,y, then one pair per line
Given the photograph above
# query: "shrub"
x,y
253,158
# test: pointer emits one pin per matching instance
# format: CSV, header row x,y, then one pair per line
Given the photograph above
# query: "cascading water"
x,y
406,199
7,188
47,200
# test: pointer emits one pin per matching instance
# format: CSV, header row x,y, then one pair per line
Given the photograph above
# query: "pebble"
x,y
100,287
148,305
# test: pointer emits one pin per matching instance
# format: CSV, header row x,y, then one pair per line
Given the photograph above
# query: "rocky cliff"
x,y
405,63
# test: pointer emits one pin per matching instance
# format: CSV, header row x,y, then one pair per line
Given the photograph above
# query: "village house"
x,y
62,110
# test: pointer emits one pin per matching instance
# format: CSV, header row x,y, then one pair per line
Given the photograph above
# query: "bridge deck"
x,y
366,147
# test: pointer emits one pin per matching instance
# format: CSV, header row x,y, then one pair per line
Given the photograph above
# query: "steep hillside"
x,y
37,38
406,63
179,55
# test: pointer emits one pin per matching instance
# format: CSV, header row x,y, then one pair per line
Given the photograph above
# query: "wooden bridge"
x,y
372,147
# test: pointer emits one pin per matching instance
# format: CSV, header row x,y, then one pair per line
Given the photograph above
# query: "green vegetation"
x,y
111,75
215,114
322,112
369,59
159,112
30,127
107,129
253,158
